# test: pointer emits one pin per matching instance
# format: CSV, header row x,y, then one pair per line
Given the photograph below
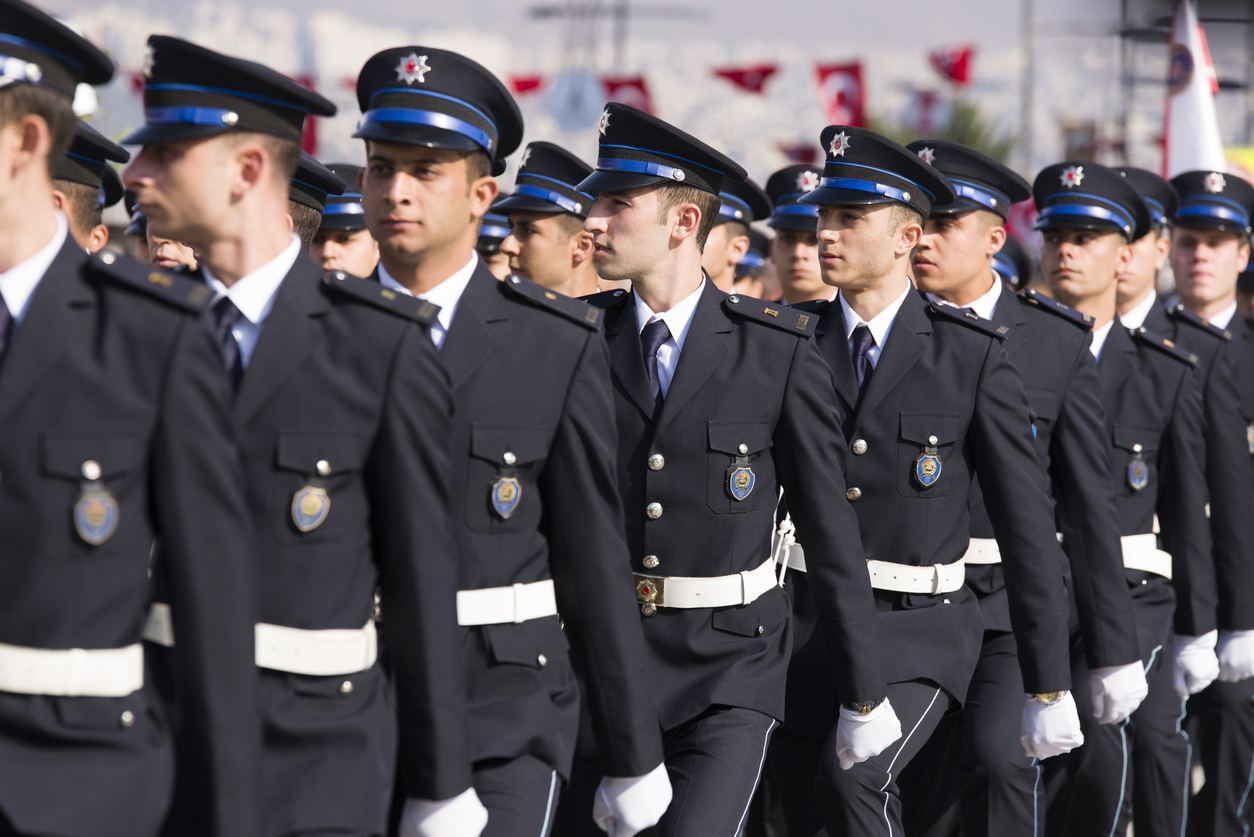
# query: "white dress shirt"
x,y
1099,338
254,296
17,285
880,324
1136,317
678,320
447,295
1225,316
983,307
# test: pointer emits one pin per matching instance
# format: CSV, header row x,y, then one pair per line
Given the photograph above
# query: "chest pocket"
x,y
117,456
739,468
500,453
942,431
322,460
121,462
1136,450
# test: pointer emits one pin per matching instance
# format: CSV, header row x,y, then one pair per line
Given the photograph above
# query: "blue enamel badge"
x,y
506,494
1138,474
96,516
310,507
740,482
1249,437
927,469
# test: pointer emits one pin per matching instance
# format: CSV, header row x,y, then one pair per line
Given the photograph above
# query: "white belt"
x,y
160,625
902,578
717,591
1141,552
502,605
982,551
73,672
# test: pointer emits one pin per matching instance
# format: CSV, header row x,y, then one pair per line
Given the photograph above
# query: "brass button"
x,y
91,470
128,719
656,462
859,447
854,493
323,467
743,449
346,688
542,660
651,562
509,458
648,609
653,510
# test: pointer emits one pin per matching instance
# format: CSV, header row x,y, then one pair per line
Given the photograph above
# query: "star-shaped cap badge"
x,y
840,144
413,67
605,121
145,69
807,181
1215,182
927,155
1072,176
525,157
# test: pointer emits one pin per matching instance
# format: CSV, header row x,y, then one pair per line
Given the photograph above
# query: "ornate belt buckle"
x,y
650,589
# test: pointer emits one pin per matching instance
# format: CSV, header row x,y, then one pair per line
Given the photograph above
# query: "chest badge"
x,y
310,507
96,511
1249,437
505,495
740,478
927,468
1138,470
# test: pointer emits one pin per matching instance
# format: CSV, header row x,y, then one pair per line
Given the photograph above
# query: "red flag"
x,y
630,90
953,64
840,91
137,82
526,84
748,78
309,138
801,153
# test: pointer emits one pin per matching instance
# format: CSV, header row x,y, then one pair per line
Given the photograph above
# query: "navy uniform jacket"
x,y
115,362
530,376
944,375
1151,397
1049,344
1229,473
753,378
1241,358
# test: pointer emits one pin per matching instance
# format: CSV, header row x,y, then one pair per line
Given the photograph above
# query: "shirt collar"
x,y
1099,338
1225,316
983,307
1136,317
18,283
880,323
254,293
446,294
678,319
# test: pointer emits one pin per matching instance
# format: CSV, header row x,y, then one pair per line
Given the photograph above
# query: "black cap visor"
x,y
341,223
526,203
165,134
1061,219
825,196
619,181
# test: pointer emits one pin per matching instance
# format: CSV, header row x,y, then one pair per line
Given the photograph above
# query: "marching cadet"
x,y
740,204
342,241
721,401
84,184
928,401
492,234
547,243
307,195
1209,247
1153,412
536,510
795,247
1245,296
954,264
343,412
116,436
750,280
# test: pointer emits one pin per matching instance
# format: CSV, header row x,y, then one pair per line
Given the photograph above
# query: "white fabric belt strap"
x,y
982,551
902,578
72,672
502,605
1141,552
160,625
718,591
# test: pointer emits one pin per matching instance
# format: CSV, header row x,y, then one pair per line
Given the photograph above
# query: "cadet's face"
x,y
497,264
184,187
539,247
723,251
855,245
1206,264
352,251
626,236
1137,277
796,257
954,251
1081,264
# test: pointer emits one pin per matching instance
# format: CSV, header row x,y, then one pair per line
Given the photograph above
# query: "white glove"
x,y
1196,665
461,816
1117,691
625,806
860,737
1236,655
1050,729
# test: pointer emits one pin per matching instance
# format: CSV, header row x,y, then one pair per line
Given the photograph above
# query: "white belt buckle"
x,y
936,579
518,604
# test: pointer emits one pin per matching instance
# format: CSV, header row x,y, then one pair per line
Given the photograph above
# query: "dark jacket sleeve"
x,y
592,571
208,543
810,458
408,476
1080,461
1023,522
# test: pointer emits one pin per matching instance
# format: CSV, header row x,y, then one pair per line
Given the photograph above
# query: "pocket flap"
x,y
755,618
921,427
728,436
1044,402
100,713
1128,438
533,643
493,441
301,450
64,455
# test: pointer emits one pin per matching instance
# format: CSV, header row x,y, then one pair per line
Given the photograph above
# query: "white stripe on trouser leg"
x,y
1245,797
1188,765
765,743
548,809
889,771
1123,736
1035,788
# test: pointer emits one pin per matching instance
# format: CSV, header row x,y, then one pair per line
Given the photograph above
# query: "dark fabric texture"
x,y
1222,727
521,795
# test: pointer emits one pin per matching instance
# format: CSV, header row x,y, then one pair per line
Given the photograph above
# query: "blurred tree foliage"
x,y
967,125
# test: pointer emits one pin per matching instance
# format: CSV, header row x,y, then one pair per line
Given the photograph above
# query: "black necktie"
x,y
6,327
652,337
227,316
860,342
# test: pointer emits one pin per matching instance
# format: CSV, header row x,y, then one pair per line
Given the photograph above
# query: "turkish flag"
x,y
629,90
953,64
309,139
801,153
751,78
840,91
526,84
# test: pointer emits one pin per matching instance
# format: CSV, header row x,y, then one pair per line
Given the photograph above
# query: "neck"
x,y
671,282
1124,306
1211,309
869,302
725,279
972,289
420,272
23,230
1100,306
584,280
261,234
793,297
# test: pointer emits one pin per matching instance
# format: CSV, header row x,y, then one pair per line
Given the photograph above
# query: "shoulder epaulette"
x,y
784,317
813,306
605,299
373,293
968,318
1164,345
1179,312
181,291
571,309
1037,299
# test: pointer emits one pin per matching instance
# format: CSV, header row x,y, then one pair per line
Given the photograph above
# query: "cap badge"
x,y
840,144
1073,176
145,69
525,157
1215,182
807,181
605,121
413,67
927,155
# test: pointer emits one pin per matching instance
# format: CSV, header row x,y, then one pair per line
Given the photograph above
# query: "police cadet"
x,y
342,241
740,204
536,510
116,434
492,234
1153,413
307,195
1012,264
84,184
721,401
795,248
343,413
547,243
928,400
750,280
954,264
1210,246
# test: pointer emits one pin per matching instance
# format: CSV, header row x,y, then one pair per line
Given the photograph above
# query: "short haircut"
x,y
478,165
305,222
83,211
570,224
736,228
283,153
902,215
673,195
17,101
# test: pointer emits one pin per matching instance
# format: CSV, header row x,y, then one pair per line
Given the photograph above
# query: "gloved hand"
x,y
1196,665
1117,691
1236,655
1050,729
625,806
461,816
860,737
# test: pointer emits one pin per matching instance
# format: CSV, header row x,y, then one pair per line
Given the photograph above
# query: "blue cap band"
x,y
191,115
639,167
224,91
970,191
434,119
1195,208
865,186
573,207
46,50
752,260
493,231
1005,265
797,209
1157,211
734,208
346,208
18,69
1119,219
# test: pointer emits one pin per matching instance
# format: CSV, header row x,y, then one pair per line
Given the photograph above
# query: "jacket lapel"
x,y
1009,312
835,350
627,358
703,351
469,341
902,350
1115,363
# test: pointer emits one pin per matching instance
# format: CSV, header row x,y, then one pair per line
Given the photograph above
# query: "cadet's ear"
x,y
97,238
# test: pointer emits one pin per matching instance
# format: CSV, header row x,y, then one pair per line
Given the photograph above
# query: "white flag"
x,y
1192,137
